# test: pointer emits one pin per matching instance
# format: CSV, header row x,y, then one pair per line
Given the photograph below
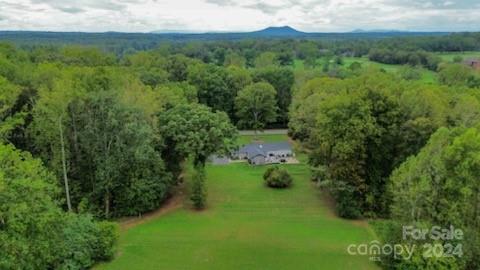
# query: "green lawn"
x,y
242,140
347,61
427,76
247,226
448,57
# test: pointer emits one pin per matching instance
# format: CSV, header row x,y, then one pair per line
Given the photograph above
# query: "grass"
x,y
242,140
448,57
347,61
247,226
427,76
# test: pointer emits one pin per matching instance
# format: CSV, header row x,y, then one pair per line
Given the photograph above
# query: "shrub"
x,y
87,241
277,177
199,194
34,231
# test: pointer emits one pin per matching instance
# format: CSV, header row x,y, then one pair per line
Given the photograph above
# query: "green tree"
x,y
193,130
440,187
256,106
177,66
86,56
355,66
9,117
50,119
213,89
277,177
171,94
343,126
457,59
117,145
358,130
198,192
234,59
282,79
266,59
94,128
34,232
454,74
410,73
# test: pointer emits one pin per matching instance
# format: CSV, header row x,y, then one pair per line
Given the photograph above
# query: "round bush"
x,y
277,177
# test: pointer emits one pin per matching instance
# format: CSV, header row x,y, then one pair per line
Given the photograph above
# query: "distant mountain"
x,y
152,39
168,31
283,31
287,32
378,31
279,31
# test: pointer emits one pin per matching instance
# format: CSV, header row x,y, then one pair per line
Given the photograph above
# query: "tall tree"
x,y
50,120
9,118
127,175
193,130
282,79
34,231
256,106
266,59
441,187
212,85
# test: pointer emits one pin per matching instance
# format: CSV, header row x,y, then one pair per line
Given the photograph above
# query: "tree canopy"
x,y
256,106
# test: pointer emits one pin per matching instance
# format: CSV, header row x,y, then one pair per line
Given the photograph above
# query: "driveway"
x,y
265,132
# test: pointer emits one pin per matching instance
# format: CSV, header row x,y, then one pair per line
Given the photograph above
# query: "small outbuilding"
x,y
474,63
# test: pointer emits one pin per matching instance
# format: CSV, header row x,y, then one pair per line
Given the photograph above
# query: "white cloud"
x,y
232,15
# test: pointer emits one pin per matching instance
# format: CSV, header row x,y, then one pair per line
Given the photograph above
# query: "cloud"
x,y
81,5
266,8
262,6
233,15
222,3
435,4
72,10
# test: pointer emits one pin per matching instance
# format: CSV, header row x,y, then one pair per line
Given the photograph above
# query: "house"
x,y
474,63
265,153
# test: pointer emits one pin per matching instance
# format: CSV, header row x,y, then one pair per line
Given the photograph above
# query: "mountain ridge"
x,y
279,30
269,31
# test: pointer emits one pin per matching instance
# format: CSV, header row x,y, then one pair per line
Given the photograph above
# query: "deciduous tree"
x,y
256,106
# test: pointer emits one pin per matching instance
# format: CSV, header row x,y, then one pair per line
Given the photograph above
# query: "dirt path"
x,y
175,202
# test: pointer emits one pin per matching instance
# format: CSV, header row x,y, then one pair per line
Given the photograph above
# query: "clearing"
x,y
246,226
427,76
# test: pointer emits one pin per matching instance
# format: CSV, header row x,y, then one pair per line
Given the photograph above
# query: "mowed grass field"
x,y
427,76
242,140
247,226
449,57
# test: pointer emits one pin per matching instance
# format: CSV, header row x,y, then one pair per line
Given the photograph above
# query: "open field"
x,y
242,140
428,76
247,226
448,57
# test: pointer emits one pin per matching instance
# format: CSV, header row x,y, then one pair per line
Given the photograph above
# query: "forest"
x,y
92,133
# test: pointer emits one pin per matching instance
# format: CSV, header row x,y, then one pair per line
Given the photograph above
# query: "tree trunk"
x,y
476,218
64,165
200,161
255,125
107,204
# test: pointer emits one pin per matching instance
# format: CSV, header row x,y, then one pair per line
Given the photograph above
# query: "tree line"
x,y
400,152
96,138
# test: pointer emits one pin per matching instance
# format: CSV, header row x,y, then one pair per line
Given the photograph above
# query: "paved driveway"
x,y
265,132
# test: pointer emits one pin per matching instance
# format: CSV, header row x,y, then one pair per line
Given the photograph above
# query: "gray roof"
x,y
255,149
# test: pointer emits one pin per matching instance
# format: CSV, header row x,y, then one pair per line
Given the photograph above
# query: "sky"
x,y
239,15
